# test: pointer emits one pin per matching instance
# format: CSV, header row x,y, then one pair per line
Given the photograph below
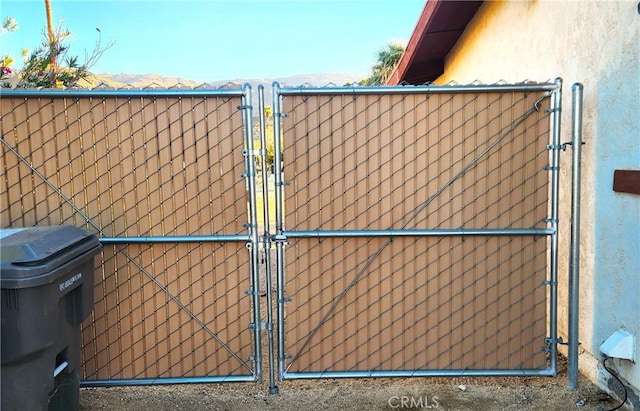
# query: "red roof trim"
x,y
439,27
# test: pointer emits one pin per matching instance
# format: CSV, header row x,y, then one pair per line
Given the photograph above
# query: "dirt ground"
x,y
522,394
496,393
468,393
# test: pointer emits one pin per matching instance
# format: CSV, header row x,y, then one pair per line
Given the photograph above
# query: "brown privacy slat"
x,y
171,166
458,317
405,162
375,176
140,332
117,150
140,166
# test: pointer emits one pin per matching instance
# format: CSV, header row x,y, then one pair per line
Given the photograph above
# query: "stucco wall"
x,y
598,45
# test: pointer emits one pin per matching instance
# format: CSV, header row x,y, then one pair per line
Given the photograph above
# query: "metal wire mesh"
x,y
137,165
188,319
374,162
403,162
142,166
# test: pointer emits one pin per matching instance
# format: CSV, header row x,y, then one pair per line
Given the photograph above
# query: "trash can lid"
x,y
34,251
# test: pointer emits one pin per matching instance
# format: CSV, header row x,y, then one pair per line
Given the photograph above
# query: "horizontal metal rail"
x,y
420,373
404,90
166,381
417,233
176,239
29,93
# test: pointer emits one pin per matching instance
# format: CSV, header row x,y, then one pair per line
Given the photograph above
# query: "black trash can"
x,y
46,281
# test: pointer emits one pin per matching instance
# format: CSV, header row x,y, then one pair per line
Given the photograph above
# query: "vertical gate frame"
x,y
266,240
281,236
253,246
552,341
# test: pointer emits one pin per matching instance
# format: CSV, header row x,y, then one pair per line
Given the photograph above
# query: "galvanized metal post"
x,y
277,169
266,240
574,253
253,245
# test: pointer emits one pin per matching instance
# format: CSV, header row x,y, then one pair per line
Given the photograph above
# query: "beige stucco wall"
x,y
596,44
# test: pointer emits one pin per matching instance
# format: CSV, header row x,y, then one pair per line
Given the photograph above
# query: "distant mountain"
x,y
155,80
137,81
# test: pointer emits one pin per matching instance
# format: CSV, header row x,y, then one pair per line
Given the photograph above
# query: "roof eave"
x,y
443,21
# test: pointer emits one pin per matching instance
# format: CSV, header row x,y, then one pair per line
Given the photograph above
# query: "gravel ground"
x,y
521,394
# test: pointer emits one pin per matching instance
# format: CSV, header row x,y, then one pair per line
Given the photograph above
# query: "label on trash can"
x,y
64,285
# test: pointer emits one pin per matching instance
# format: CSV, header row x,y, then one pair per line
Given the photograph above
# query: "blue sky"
x,y
220,40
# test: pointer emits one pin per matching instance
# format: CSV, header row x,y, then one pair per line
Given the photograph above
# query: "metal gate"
x,y
415,227
163,177
419,230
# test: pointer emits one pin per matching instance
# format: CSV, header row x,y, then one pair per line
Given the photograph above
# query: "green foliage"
x,y
270,140
8,25
388,58
49,64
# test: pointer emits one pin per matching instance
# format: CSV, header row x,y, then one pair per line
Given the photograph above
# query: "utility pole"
x,y
52,41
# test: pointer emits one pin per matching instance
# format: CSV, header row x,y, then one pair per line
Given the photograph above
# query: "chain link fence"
x,y
415,227
417,231
157,174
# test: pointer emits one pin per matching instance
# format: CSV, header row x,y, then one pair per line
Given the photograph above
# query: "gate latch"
x,y
261,326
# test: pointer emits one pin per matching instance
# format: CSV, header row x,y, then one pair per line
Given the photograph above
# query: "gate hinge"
x,y
558,340
549,282
283,115
244,107
284,300
570,143
551,168
553,110
255,152
261,326
562,146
